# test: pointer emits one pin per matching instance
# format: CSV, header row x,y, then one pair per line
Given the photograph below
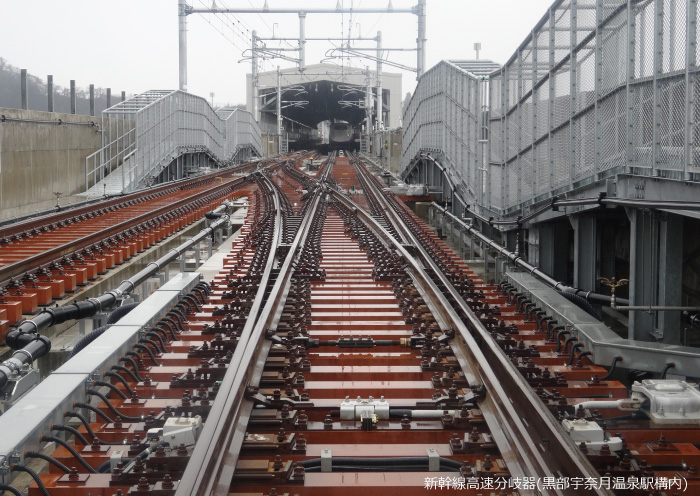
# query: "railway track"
x,y
342,348
44,259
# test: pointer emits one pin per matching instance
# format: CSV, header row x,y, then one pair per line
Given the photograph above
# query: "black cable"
x,y
112,408
106,467
669,365
161,332
392,461
89,429
612,367
87,339
12,489
181,316
160,347
133,364
50,459
124,369
205,285
570,339
183,309
120,379
194,301
103,468
542,319
590,396
117,314
85,422
77,455
552,330
68,428
380,468
172,327
582,303
630,416
199,292
150,449
176,321
137,358
97,411
112,387
15,467
574,349
148,351
560,335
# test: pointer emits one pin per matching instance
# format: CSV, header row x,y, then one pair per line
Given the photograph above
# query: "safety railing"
x,y
109,158
599,88
444,116
163,125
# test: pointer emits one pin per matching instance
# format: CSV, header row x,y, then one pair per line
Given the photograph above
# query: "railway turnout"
x,y
341,347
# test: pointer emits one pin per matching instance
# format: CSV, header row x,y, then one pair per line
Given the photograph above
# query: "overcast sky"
x,y
132,45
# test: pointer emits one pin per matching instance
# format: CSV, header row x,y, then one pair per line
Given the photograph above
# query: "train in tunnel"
x,y
342,136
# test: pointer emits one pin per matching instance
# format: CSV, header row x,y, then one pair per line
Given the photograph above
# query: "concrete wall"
x,y
270,144
387,148
39,159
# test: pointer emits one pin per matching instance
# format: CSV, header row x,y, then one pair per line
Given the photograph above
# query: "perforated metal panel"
x,y
165,124
600,87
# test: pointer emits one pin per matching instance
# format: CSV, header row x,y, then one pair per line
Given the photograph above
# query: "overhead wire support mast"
x,y
184,10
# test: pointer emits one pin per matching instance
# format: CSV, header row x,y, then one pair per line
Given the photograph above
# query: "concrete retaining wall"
x,y
39,159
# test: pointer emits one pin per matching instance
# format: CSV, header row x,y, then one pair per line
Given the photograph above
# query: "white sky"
x,y
132,45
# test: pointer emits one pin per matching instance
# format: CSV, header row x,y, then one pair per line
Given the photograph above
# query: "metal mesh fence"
x,y
599,87
444,115
542,168
165,124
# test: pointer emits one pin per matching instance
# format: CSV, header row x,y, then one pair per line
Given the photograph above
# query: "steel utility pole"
x,y
380,103
279,111
184,10
421,13
254,77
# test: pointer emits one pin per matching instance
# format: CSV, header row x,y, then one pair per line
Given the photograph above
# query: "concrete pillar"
x,y
123,96
554,250
23,88
642,273
607,263
670,276
585,251
109,97
72,96
92,99
49,91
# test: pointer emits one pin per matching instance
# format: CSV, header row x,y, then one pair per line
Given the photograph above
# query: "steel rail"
x,y
66,212
41,259
542,447
214,458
